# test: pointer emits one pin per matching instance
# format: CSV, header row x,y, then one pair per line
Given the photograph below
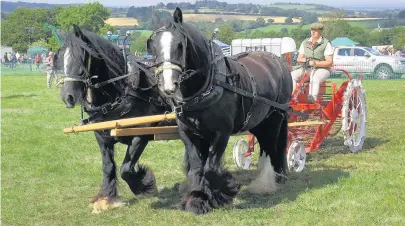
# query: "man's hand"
x,y
311,63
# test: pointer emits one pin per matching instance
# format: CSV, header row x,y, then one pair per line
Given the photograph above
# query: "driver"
x,y
318,51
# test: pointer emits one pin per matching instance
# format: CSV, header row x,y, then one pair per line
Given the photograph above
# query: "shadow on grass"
x,y
170,198
18,96
296,184
334,146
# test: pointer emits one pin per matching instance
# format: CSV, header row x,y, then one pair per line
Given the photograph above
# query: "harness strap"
x,y
245,93
101,84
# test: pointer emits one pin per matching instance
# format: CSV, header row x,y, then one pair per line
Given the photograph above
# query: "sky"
x,y
339,3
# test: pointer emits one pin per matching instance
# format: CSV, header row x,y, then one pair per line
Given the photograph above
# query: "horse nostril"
x,y
70,99
176,85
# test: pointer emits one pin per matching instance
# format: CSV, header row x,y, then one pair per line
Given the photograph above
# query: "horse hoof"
x,y
196,205
103,204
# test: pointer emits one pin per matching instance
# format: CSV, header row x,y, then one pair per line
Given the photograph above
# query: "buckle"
x,y
84,121
178,110
104,110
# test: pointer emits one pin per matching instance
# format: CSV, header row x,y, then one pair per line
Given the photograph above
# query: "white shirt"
x,y
328,49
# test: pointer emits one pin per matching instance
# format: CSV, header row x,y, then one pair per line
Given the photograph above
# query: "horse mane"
x,y
198,46
97,47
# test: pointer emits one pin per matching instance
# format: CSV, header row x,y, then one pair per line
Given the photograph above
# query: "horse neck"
x,y
197,81
108,92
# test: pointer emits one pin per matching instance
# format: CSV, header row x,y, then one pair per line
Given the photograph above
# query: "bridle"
x,y
179,66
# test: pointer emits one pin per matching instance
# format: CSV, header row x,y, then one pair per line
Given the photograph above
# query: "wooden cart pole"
x,y
120,123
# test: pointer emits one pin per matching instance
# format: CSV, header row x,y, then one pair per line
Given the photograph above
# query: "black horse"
x,y
215,97
95,77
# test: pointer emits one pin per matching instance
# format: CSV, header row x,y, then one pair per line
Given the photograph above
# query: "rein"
x,y
120,102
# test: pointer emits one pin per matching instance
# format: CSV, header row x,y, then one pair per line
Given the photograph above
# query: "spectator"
x,y
50,71
6,59
37,61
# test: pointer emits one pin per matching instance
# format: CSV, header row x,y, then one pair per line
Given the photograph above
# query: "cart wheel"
x,y
296,156
354,112
239,150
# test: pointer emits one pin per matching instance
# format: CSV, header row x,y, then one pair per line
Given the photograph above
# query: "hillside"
x,y
9,7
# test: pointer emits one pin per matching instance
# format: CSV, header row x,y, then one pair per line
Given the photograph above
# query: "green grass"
x,y
144,32
48,177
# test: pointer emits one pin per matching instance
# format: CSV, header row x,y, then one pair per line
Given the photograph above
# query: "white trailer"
x,y
277,46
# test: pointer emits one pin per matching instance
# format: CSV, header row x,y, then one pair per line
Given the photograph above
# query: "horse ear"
x,y
178,16
76,30
156,22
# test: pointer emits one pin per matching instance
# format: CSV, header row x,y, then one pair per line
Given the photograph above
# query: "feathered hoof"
x,y
197,203
104,203
143,182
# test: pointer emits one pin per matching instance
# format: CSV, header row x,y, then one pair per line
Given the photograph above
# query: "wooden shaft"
x,y
170,132
120,123
143,131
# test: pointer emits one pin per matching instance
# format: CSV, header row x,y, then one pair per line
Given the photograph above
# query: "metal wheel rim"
x,y
239,149
296,156
354,114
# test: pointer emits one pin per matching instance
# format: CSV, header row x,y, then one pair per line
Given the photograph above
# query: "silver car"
x,y
356,59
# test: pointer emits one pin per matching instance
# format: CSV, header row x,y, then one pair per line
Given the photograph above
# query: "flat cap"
x,y
317,26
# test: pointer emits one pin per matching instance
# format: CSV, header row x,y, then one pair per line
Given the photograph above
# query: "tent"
x,y
33,51
343,41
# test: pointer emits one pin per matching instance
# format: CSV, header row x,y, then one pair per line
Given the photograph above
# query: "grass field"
x,y
122,21
48,177
369,24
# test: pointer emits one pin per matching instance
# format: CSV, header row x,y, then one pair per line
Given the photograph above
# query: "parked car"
x,y
356,59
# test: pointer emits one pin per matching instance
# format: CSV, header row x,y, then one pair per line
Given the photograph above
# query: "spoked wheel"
x,y
240,154
354,112
296,156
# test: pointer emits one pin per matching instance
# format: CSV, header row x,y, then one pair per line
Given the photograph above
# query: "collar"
x,y
319,40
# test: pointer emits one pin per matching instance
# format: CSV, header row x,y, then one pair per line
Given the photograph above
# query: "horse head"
x,y
88,59
179,50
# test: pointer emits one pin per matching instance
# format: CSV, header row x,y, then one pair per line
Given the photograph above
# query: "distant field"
x,y
129,21
292,6
363,24
122,21
212,17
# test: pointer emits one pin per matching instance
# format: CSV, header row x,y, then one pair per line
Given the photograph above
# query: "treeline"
x,y
8,7
25,26
217,7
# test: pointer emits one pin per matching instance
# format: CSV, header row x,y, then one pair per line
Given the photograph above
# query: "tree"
x,y
88,16
161,5
226,33
288,20
309,18
219,20
25,26
260,22
401,14
171,6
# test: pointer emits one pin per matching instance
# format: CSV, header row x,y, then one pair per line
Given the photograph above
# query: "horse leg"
x,y
140,179
272,137
108,194
195,158
185,185
217,187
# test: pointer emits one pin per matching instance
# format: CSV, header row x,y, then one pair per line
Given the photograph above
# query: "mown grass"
x,y
48,177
